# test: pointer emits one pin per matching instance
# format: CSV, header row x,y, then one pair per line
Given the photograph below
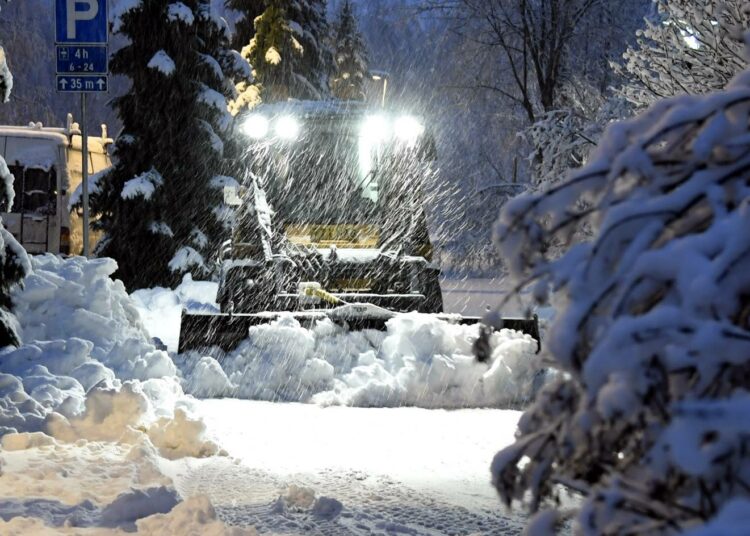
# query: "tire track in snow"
x,y
370,505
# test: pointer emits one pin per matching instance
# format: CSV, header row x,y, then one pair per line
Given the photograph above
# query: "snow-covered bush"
x,y
647,419
690,46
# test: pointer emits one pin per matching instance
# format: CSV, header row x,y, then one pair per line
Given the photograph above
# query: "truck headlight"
x,y
287,128
408,129
375,129
255,126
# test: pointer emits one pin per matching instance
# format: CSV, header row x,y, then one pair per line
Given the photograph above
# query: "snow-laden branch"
x,y
652,338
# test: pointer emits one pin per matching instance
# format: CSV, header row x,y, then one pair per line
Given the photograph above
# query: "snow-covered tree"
x,y
561,139
308,20
690,46
647,418
14,263
161,205
247,91
275,54
248,11
350,56
288,51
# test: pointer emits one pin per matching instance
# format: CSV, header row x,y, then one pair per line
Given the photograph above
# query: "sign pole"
x,y
85,175
81,39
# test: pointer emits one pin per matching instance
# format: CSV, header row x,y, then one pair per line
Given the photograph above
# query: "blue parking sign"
x,y
81,21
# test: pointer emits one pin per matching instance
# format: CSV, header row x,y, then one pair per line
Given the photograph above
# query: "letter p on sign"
x,y
81,21
89,12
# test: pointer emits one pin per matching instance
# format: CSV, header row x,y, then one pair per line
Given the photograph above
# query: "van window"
x,y
35,190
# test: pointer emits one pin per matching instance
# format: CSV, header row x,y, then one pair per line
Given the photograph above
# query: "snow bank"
x,y
87,316
420,361
57,488
97,405
87,369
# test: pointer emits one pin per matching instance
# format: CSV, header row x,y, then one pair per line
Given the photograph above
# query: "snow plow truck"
x,y
329,222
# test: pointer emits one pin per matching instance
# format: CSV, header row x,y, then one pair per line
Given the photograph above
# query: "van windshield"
x,y
35,190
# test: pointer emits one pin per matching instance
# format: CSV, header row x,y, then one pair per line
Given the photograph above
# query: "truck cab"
x,y
46,164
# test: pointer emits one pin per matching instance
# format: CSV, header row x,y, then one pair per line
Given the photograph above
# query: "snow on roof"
x,y
58,135
313,108
31,154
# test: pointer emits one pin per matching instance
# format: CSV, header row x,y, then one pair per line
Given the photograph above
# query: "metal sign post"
x,y
81,38
85,176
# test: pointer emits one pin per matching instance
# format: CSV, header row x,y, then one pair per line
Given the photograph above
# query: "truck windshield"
x,y
324,178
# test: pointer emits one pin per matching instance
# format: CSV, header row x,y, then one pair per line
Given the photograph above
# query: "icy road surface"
x,y
372,471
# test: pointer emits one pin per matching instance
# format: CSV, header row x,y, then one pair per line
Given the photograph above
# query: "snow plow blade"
x,y
205,330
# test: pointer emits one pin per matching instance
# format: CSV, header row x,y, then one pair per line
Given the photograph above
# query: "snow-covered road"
x,y
388,471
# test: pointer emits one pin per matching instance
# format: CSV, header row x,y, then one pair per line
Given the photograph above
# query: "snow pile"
x,y
56,488
420,361
86,369
88,408
86,317
161,308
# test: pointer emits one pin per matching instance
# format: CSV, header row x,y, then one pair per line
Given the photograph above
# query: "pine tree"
x,y
248,10
350,56
14,263
310,26
161,205
288,51
274,53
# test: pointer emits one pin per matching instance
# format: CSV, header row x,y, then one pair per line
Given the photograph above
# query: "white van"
x,y
46,165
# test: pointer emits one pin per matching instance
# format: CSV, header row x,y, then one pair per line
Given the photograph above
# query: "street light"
x,y
382,77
